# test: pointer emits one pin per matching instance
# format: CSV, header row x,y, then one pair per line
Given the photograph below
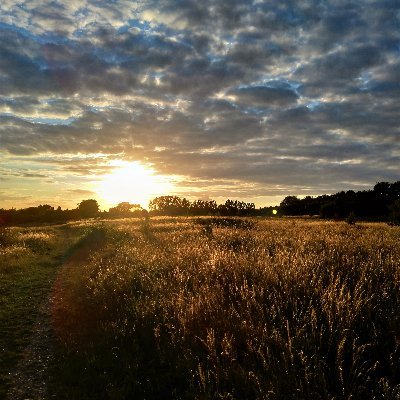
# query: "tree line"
x,y
380,203
162,205
174,205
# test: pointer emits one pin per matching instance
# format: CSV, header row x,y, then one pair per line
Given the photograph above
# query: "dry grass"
x,y
18,246
271,309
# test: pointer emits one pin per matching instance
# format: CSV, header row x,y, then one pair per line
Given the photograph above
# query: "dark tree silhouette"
x,y
382,189
203,207
291,205
372,204
170,205
395,212
125,209
88,208
236,207
381,203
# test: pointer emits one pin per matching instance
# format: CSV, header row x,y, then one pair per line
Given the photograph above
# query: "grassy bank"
x,y
29,261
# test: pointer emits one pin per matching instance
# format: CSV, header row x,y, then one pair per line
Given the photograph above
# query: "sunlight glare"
x,y
132,182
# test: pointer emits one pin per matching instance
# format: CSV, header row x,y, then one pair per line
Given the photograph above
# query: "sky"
x,y
252,100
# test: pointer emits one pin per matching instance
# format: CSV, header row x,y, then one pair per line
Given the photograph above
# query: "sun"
x,y
132,182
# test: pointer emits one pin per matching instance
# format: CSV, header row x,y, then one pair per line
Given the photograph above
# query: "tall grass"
x,y
256,310
19,246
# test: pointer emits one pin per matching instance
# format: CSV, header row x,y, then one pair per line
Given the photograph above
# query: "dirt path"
x,y
30,379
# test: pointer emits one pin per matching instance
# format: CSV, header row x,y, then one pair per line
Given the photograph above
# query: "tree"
x,y
170,205
236,207
125,209
328,210
203,207
88,208
382,189
395,213
291,205
395,190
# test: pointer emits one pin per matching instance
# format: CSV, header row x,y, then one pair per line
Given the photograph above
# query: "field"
x,y
200,308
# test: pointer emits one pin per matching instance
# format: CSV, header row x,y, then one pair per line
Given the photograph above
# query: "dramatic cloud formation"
x,y
250,99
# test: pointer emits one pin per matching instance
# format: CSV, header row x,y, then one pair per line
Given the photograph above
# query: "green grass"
x,y
29,261
263,309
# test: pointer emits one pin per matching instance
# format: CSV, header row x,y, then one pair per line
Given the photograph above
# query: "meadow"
x,y
207,308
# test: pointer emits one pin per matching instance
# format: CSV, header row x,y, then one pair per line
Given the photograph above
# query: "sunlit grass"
x,y
18,246
255,310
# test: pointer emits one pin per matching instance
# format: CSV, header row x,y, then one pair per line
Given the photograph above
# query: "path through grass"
x,y
180,308
29,263
260,309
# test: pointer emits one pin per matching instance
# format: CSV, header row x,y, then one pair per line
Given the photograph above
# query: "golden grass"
x,y
18,246
270,309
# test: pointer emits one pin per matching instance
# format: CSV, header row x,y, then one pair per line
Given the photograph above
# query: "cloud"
x,y
10,197
260,93
82,192
255,96
33,175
